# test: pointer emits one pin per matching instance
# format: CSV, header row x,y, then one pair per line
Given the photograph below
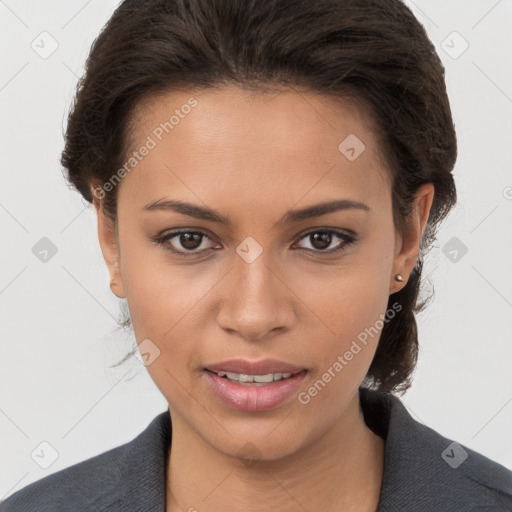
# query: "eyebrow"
x,y
205,213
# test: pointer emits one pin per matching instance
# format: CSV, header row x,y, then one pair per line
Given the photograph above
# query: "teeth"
x,y
241,377
264,378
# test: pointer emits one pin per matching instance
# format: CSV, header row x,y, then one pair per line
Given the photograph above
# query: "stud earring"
x,y
399,277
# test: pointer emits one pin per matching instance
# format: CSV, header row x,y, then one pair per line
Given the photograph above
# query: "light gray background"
x,y
58,318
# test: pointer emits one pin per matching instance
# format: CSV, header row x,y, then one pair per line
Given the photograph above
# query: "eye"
x,y
186,242
320,240
191,243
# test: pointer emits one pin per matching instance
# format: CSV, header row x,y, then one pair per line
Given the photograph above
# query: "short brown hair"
x,y
374,52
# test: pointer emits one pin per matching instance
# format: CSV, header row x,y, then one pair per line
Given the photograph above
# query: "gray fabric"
x,y
423,471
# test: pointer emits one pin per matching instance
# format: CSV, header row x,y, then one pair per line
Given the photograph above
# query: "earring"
x,y
399,277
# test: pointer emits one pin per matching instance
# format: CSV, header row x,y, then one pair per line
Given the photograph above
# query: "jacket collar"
x,y
424,470
419,466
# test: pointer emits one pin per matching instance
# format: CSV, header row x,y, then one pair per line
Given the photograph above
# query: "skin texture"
x,y
253,157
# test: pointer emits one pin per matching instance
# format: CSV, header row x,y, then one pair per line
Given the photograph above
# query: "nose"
x,y
256,303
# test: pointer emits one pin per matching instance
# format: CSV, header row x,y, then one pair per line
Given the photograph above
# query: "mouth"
x,y
254,386
261,368
261,380
257,380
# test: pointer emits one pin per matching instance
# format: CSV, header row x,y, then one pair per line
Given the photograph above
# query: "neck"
x,y
341,470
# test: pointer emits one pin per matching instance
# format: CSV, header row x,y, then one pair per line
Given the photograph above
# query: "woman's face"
x,y
257,277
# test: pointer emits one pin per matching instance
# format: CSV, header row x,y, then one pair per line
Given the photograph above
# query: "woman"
x,y
267,175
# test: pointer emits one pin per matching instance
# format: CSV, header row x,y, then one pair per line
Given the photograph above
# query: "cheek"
x,y
349,325
166,303
354,321
346,305
346,298
158,293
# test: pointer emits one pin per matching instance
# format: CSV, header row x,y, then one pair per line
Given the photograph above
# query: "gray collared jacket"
x,y
423,471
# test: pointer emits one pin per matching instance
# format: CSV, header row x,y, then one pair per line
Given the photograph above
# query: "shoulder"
x,y
109,481
425,470
74,488
461,476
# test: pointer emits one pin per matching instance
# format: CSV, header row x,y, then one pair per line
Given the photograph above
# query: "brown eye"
x,y
184,243
321,240
190,240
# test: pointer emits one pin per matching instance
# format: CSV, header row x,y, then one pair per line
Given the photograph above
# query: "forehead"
x,y
257,143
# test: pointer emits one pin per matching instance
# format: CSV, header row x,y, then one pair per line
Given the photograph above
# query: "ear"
x,y
407,247
107,237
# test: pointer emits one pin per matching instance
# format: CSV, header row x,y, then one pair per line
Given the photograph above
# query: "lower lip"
x,y
254,397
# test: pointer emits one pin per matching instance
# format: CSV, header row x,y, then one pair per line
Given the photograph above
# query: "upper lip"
x,y
247,367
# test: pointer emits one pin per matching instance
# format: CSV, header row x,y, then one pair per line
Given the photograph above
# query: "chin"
x,y
273,442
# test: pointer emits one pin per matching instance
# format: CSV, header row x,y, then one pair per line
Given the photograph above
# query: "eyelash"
x,y
162,241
